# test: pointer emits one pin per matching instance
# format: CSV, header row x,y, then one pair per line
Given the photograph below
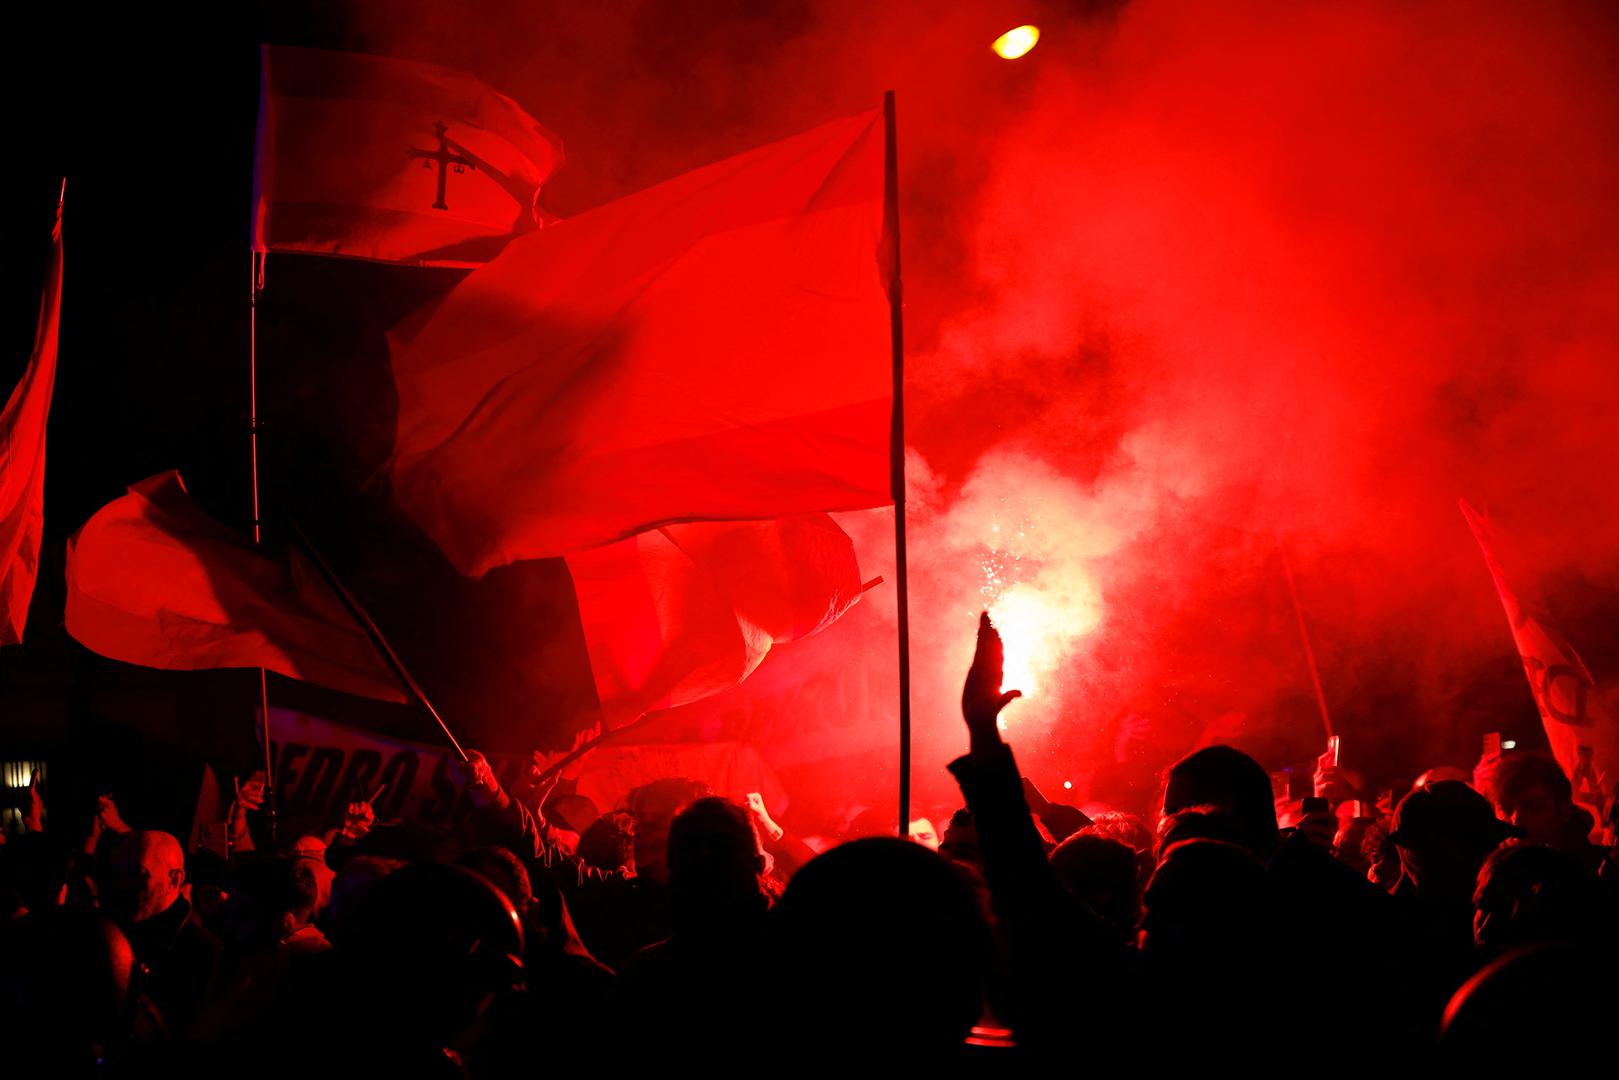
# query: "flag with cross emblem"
x,y
374,158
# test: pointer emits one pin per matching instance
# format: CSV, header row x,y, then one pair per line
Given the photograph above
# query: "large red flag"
x,y
713,348
375,158
153,580
22,457
679,613
1581,730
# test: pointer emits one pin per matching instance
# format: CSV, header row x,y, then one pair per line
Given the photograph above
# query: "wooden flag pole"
x,y
255,286
896,450
374,632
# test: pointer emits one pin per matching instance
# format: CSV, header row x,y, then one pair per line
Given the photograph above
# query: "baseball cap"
x,y
1448,811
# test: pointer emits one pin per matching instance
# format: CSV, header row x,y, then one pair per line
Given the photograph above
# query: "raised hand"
x,y
476,775
982,698
358,819
761,817
249,798
107,815
543,784
33,818
1330,782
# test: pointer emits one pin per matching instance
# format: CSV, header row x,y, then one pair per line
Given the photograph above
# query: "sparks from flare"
x,y
1041,605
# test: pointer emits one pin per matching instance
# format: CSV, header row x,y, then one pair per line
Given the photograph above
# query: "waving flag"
x,y
715,348
375,158
1583,735
680,613
152,580
22,456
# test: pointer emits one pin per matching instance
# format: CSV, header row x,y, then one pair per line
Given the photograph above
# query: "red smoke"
x,y
1188,282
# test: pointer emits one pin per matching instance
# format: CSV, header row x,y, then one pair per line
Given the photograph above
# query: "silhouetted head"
x,y
1125,828
34,874
654,806
1442,772
355,880
65,988
1104,873
1527,1005
960,840
269,900
714,863
504,871
1531,791
1529,894
312,850
1225,777
1201,823
431,944
1380,854
609,842
1443,831
1209,903
144,875
882,947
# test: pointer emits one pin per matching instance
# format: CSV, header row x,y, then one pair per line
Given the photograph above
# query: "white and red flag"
x,y
714,348
1579,726
394,160
22,456
153,580
677,614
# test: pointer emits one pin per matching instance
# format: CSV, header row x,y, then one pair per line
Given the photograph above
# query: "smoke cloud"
x,y
1189,287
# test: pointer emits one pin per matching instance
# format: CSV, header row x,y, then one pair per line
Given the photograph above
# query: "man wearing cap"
x,y
1444,830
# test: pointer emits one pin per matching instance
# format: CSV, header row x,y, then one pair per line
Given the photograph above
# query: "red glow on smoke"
x,y
1223,272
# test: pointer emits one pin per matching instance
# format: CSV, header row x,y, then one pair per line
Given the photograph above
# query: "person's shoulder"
x,y
1302,865
196,939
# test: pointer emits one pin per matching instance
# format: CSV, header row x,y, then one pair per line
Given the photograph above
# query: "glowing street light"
x,y
1016,42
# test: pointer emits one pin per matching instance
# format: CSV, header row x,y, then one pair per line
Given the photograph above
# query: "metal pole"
x,y
255,286
374,632
896,451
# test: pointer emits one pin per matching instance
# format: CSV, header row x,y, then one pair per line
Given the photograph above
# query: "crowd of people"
x,y
1474,922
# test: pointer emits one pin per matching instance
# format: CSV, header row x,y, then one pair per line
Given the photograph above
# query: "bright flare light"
x,y
1016,42
1031,629
1041,609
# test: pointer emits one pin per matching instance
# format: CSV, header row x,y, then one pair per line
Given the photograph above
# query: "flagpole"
x,y
374,632
896,451
255,287
1304,639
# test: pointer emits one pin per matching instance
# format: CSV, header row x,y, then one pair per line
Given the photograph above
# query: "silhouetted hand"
x,y
33,818
476,775
250,796
358,819
1331,782
982,698
543,784
761,817
107,815
1320,828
